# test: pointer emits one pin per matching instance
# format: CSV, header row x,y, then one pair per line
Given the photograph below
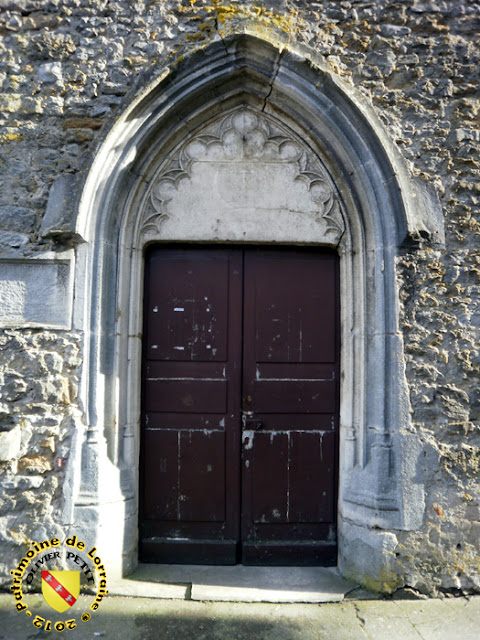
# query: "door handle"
x,y
250,422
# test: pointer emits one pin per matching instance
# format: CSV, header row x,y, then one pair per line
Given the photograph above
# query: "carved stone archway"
x,y
245,118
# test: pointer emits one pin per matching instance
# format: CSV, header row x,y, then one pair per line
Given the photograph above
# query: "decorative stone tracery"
x,y
245,163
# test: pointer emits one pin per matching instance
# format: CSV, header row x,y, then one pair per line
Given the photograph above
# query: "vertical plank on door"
x,y
270,478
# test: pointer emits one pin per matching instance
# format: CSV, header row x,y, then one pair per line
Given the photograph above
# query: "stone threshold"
x,y
234,583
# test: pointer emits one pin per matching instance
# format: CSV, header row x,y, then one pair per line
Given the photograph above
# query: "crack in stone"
x,y
417,630
221,38
351,591
414,627
276,67
361,619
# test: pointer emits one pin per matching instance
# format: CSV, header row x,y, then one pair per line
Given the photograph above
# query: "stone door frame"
x,y
375,208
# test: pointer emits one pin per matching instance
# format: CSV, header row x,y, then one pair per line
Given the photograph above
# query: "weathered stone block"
x,y
7,420
13,218
371,557
58,218
34,292
13,240
36,464
50,72
83,123
14,388
16,103
40,20
48,443
24,482
10,444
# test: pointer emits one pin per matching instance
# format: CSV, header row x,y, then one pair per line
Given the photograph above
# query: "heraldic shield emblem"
x,y
60,588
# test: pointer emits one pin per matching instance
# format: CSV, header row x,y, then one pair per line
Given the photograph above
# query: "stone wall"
x,y
68,69
39,381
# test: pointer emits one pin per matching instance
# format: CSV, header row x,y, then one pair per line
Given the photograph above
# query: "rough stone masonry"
x,y
67,70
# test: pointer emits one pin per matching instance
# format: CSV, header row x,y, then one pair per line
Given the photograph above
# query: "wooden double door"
x,y
240,406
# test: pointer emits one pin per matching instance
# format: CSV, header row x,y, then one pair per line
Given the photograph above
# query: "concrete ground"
x,y
122,618
234,583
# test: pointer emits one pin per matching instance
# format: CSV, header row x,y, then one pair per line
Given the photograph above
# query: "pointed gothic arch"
x,y
345,187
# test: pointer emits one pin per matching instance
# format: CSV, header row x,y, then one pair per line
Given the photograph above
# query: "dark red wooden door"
x,y
290,407
191,429
240,406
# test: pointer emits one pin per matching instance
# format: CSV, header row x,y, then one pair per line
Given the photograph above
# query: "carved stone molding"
x,y
255,165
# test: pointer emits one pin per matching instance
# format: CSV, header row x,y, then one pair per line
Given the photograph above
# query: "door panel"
x,y
191,400
290,400
201,485
311,465
181,486
231,334
192,326
293,396
288,286
177,395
